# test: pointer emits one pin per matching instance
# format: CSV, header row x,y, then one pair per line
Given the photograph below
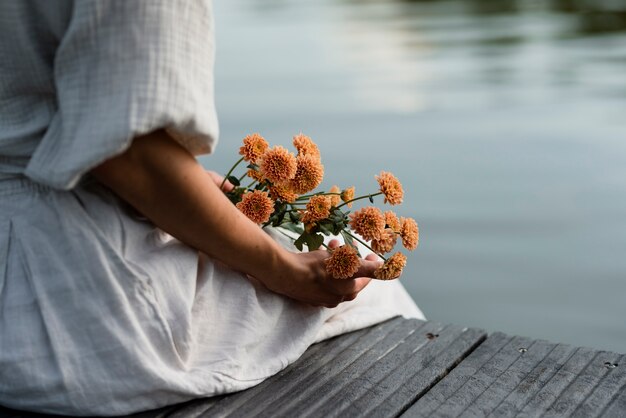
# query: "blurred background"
x,y
504,119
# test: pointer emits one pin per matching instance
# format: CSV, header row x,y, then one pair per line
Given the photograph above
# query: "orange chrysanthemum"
x,y
305,146
283,193
278,165
368,222
317,208
386,242
335,198
257,206
309,174
392,268
390,187
255,175
343,262
254,145
392,221
347,195
410,233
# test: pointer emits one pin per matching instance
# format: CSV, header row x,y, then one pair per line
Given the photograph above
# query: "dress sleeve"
x,y
122,69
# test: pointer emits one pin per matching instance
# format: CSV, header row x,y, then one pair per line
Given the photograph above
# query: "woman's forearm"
x,y
166,183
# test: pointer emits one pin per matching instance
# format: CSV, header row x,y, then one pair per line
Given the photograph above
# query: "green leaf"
x,y
324,229
300,241
278,219
314,241
339,221
234,180
293,227
279,213
294,217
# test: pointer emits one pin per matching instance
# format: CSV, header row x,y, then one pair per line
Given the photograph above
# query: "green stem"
x,y
359,198
367,246
230,172
285,234
307,196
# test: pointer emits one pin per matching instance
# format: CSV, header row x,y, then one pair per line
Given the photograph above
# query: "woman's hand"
x,y
307,280
313,285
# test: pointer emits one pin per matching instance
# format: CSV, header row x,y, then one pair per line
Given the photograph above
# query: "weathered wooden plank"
x,y
576,393
482,378
431,401
514,376
358,378
421,372
482,384
553,388
530,355
611,386
617,406
535,379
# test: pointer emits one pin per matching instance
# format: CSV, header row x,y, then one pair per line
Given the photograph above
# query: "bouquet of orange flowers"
x,y
279,194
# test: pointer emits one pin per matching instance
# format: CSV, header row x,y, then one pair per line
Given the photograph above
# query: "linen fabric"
x,y
102,313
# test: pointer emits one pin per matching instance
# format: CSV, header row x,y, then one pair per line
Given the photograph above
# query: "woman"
x,y
103,105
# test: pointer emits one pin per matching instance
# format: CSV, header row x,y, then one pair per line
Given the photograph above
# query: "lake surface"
x,y
505,120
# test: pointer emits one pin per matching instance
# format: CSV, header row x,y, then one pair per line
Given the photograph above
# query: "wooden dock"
x,y
411,368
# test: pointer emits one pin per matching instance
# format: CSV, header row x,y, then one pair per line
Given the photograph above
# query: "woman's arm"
x,y
164,182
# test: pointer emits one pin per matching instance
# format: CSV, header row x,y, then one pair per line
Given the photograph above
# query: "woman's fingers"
x,y
334,243
372,257
321,289
368,267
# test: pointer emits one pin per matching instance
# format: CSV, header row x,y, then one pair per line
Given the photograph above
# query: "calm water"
x,y
505,120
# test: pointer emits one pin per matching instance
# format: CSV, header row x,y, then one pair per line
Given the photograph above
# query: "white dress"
x,y
100,312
